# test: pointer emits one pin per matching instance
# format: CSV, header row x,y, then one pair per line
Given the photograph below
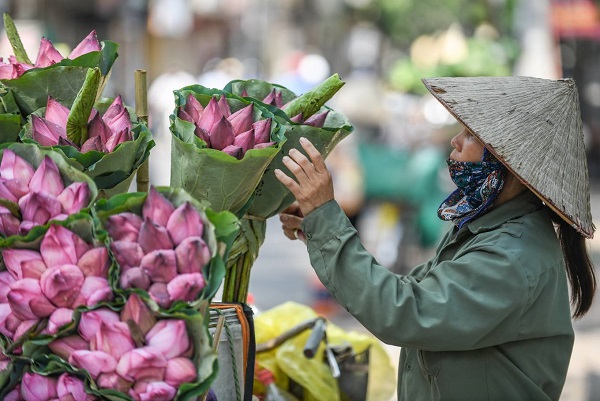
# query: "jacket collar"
x,y
524,203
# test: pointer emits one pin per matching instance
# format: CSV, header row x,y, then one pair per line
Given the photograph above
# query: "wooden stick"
x,y
141,109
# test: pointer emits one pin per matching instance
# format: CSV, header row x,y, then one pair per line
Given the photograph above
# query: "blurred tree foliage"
x,y
490,51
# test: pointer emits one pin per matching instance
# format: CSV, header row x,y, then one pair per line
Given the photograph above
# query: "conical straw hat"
x,y
533,126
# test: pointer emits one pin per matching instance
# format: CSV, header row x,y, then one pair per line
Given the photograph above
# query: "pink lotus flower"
x,y
27,301
232,133
157,208
15,167
38,388
139,364
159,294
47,178
113,381
5,313
93,291
89,44
170,337
14,259
135,277
105,132
71,388
90,321
192,255
180,370
153,391
65,346
153,237
14,394
94,262
184,222
124,226
9,224
6,279
161,265
186,287
62,284
95,362
24,328
127,254
59,318
61,246
138,312
113,338
38,208
74,197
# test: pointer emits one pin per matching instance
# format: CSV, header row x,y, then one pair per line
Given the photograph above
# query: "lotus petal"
x,y
47,178
234,151
21,295
135,277
95,290
61,246
113,338
88,44
15,167
170,337
39,207
153,237
186,287
45,132
297,118
89,323
97,128
37,387
192,255
117,139
124,226
127,254
160,265
56,113
143,364
210,115
117,117
59,318
245,140
137,311
242,120
317,120
95,262
159,294
180,370
62,284
193,108
157,208
221,134
184,222
9,224
95,362
224,106
262,131
47,54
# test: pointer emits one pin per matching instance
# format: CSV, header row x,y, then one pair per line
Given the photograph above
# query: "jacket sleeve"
x,y
471,302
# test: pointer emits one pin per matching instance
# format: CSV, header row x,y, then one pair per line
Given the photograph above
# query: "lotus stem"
x,y
141,110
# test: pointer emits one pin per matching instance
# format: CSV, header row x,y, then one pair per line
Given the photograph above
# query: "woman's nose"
x,y
455,142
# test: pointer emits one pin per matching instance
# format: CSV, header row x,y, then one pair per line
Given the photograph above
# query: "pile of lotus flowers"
x,y
161,251
132,352
47,56
233,133
37,387
104,131
50,282
33,196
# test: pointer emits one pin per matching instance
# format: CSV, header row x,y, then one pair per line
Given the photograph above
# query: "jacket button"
x,y
309,236
408,367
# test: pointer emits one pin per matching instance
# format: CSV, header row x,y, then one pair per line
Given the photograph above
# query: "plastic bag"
x,y
288,361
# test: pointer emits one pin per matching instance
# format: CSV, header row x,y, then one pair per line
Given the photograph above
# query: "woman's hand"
x,y
291,219
313,185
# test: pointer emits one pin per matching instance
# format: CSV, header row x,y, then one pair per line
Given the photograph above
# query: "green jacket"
x,y
487,318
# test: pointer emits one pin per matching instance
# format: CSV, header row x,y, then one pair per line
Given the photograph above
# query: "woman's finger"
x,y
314,154
302,161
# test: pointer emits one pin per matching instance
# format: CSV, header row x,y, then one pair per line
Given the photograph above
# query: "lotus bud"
x,y
7,71
242,120
88,44
182,114
90,321
186,287
6,193
94,262
64,141
297,118
71,388
95,290
62,284
15,167
153,237
38,388
39,208
193,108
264,145
127,254
262,131
157,208
61,246
56,113
224,106
6,279
170,337
9,224
59,318
17,187
114,382
45,132
317,120
136,310
203,134
153,390
47,178
135,277
180,370
270,99
33,268
14,394
14,258
159,294
93,143
192,255
245,140
234,151
210,115
97,128
5,328
222,134
12,322
118,138
47,54
142,364
117,117
74,197
95,362
65,346
113,338
124,226
24,329
21,295
184,222
160,265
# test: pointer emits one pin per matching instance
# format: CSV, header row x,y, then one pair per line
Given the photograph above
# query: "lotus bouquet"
x,y
103,139
38,186
52,74
37,387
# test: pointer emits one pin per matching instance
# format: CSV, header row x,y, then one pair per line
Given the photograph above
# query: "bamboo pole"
x,y
141,109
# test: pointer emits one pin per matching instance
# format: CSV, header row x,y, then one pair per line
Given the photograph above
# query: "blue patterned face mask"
x,y
479,184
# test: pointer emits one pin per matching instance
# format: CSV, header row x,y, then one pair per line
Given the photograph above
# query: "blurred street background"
x,y
390,174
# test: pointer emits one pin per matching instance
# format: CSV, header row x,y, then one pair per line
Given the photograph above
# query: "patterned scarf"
x,y
479,184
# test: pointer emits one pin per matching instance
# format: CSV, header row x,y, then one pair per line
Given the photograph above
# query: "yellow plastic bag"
x,y
288,361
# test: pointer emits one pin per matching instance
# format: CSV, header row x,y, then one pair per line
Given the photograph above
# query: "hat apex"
x,y
533,126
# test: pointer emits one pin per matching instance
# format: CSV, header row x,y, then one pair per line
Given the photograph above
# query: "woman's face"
x,y
467,147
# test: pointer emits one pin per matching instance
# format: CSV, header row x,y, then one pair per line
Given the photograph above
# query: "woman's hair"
x,y
580,269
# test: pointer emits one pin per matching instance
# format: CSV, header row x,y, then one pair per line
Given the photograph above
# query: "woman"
x,y
488,317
